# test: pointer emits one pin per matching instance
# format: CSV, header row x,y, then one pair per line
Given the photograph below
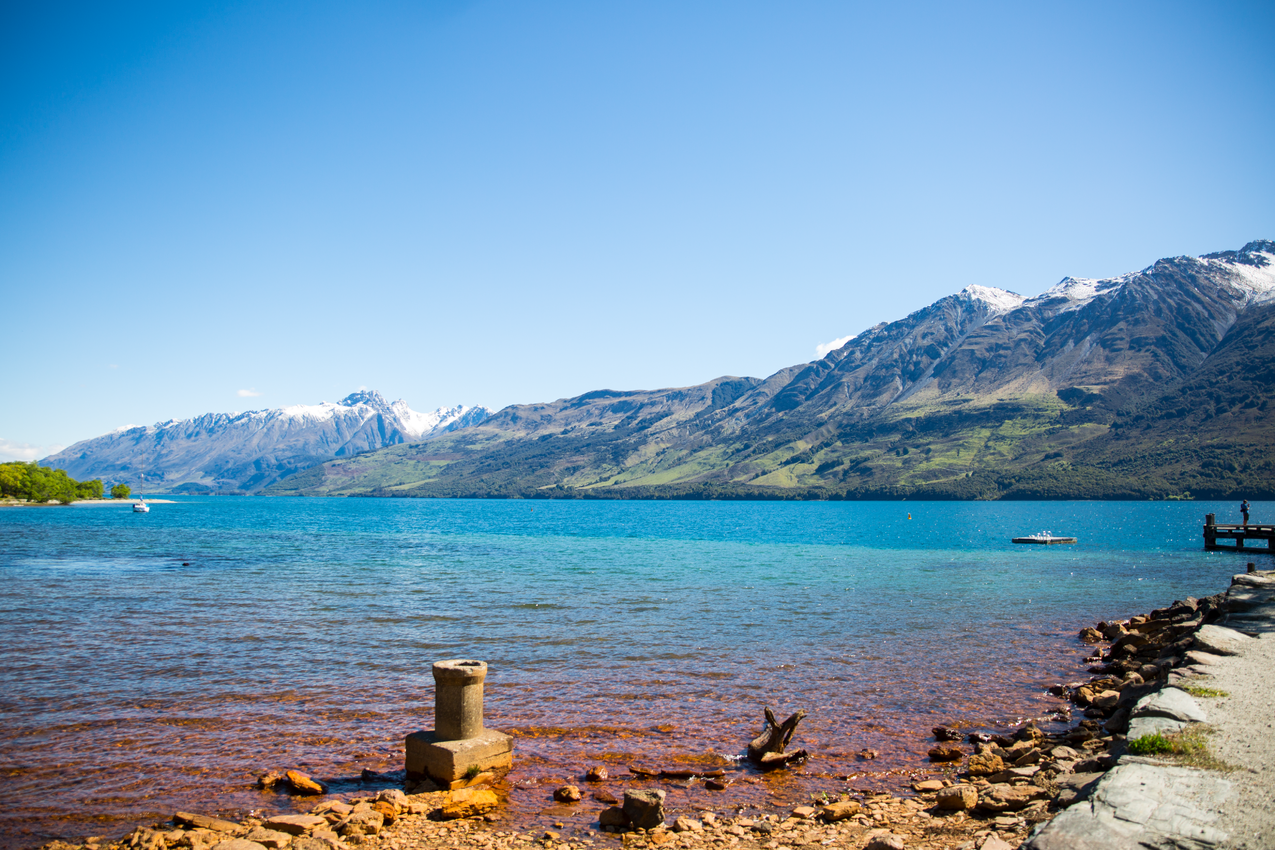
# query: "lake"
x,y
154,662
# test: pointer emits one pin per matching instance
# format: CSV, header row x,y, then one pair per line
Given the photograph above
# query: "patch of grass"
x,y
1151,745
471,772
1189,747
1201,691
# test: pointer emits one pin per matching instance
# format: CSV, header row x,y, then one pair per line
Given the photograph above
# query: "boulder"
x,y
1112,631
395,798
361,822
468,802
928,786
881,839
269,779
194,821
304,785
995,842
568,794
597,773
644,808
197,839
315,842
1031,756
336,807
613,816
1009,798
1170,703
1106,700
838,811
387,811
685,824
946,752
958,798
295,824
237,844
943,733
1075,787
269,838
1219,640
985,764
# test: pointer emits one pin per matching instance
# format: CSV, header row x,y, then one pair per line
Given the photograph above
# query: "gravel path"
x,y
1244,736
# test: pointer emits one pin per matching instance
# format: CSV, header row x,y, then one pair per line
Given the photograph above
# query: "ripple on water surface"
x,y
159,662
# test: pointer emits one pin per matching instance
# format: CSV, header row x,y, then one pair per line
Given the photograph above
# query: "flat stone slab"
x,y
1220,640
1199,657
204,822
1139,807
1172,703
1142,726
448,761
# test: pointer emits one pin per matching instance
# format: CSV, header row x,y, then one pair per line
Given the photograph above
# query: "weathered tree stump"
x,y
767,749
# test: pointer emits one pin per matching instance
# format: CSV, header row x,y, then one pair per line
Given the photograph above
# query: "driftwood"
x,y
767,749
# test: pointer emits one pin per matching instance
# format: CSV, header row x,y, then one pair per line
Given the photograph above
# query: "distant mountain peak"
x,y
248,451
998,300
370,397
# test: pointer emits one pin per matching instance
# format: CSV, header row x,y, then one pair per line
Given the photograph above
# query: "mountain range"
x,y
245,452
1154,384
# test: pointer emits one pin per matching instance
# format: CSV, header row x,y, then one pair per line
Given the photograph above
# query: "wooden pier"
x,y
1239,533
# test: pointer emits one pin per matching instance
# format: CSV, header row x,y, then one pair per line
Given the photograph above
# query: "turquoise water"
x,y
159,661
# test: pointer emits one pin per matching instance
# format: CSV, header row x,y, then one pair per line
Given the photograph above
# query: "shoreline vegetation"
x,y
6,502
983,791
33,483
29,485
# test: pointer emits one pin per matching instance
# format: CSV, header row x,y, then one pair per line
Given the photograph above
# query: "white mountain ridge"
x,y
1251,271
247,451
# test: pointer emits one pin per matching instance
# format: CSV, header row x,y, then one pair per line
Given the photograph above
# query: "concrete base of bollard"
x,y
448,761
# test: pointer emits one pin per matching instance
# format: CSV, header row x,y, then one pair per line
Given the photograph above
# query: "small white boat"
x,y
140,506
1044,537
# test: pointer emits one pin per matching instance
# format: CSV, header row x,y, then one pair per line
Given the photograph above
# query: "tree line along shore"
x,y
35,484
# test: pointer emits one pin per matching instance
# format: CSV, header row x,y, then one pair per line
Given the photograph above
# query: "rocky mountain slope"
x,y
1156,383
1152,384
244,452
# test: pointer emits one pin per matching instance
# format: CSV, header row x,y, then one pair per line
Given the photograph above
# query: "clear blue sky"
x,y
505,202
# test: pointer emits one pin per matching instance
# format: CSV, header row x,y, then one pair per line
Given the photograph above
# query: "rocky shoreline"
x,y
1025,788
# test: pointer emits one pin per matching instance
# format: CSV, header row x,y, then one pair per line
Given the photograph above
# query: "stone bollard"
x,y
458,699
459,747
1252,567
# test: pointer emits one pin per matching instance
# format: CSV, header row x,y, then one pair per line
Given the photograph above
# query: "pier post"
x,y
459,746
458,699
1210,531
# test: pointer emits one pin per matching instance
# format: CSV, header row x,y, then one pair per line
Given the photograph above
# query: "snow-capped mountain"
x,y
1160,381
222,452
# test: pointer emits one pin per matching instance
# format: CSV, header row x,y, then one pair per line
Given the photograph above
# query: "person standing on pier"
x,y
1244,511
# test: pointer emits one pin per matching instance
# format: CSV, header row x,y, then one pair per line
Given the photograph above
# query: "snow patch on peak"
x,y
1079,291
999,300
420,424
1256,278
823,348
